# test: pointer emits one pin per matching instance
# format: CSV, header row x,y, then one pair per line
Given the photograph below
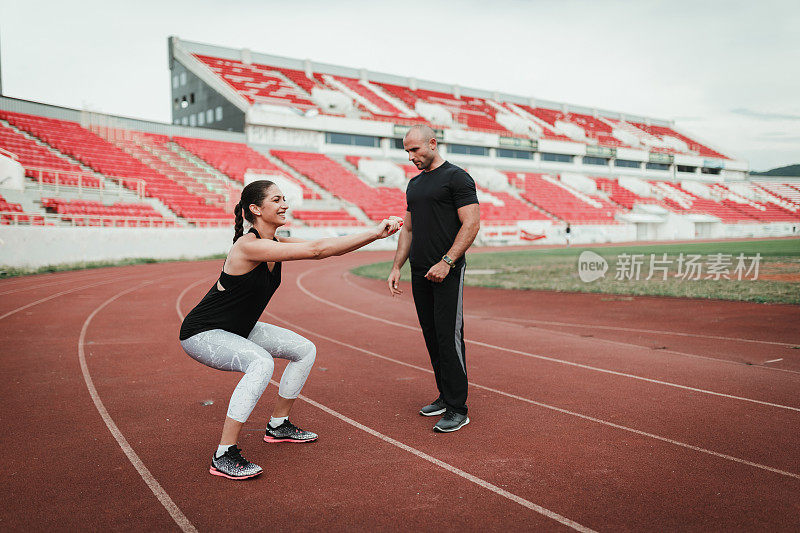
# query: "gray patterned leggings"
x,y
224,350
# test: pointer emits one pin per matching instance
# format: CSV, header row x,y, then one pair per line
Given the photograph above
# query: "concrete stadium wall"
x,y
36,246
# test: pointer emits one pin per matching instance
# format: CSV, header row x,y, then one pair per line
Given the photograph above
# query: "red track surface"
x,y
588,411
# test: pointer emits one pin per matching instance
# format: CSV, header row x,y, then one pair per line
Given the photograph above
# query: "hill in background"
x,y
788,170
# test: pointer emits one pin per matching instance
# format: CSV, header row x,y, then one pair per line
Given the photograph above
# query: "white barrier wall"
x,y
12,175
36,246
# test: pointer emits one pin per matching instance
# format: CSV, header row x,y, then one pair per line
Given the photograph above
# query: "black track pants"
x,y
440,313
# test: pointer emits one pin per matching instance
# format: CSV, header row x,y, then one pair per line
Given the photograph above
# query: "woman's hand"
x,y
389,226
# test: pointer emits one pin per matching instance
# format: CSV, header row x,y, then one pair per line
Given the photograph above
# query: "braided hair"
x,y
253,193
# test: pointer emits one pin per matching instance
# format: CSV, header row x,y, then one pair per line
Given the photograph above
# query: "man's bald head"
x,y
422,147
421,132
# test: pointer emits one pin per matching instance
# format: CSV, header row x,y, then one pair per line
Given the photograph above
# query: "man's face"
x,y
421,151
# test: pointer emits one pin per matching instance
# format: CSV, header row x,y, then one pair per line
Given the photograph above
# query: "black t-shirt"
x,y
433,198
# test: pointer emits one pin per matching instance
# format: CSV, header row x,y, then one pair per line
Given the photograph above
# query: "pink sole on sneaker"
x,y
214,472
273,439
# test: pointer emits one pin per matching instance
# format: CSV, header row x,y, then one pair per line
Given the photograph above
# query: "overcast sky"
x,y
728,72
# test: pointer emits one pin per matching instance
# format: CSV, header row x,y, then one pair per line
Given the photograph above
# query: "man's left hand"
x,y
438,272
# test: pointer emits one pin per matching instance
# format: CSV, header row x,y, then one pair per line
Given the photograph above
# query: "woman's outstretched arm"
x,y
267,250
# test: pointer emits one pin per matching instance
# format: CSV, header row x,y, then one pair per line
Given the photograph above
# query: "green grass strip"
x,y
556,269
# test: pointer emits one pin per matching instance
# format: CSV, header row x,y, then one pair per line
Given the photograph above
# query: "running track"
x,y
589,412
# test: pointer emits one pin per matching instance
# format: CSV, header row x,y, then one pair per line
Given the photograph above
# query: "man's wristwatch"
x,y
449,261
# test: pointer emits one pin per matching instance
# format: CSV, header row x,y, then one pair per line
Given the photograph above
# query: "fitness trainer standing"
x,y
443,204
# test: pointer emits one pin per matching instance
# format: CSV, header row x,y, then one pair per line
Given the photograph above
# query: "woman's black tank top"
x,y
238,307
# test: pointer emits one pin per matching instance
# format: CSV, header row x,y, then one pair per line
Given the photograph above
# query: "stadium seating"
x,y
150,150
545,193
682,201
754,205
9,214
257,83
32,155
291,87
595,129
93,213
784,191
662,131
548,131
384,105
622,196
234,159
512,211
376,202
92,150
325,218
410,170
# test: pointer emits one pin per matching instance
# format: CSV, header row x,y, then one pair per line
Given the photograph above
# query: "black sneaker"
x,y
288,432
451,421
434,408
232,465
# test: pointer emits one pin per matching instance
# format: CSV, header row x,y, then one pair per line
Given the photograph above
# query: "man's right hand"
x,y
394,280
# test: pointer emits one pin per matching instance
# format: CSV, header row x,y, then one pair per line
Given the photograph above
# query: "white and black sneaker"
x,y
288,432
232,465
451,421
434,408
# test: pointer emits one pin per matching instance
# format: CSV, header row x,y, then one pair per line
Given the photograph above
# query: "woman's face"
x,y
273,208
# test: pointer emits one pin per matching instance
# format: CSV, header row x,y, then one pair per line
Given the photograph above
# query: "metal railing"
x,y
17,218
85,181
6,153
211,223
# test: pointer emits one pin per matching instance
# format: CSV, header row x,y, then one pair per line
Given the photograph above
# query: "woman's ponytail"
x,y
238,225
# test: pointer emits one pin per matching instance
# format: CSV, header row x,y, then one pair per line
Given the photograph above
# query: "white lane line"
x,y
40,285
299,284
457,471
148,478
774,360
513,322
348,278
478,481
650,351
57,295
547,406
183,293
638,330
